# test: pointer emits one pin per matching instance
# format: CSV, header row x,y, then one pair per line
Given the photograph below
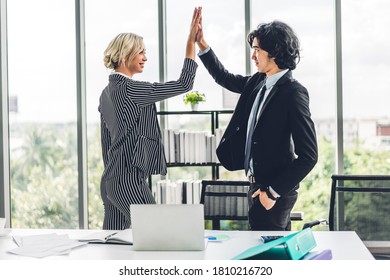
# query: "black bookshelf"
x,y
214,115
214,124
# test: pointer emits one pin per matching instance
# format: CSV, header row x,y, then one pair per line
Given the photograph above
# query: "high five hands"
x,y
195,25
196,30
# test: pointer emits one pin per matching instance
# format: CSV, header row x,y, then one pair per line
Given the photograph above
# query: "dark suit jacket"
x,y
284,144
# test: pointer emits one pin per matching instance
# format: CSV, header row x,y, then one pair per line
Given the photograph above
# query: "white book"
x,y
214,157
168,193
197,143
187,137
197,188
191,146
218,134
166,144
163,192
177,146
208,149
184,192
182,146
171,134
158,191
189,192
203,140
154,191
179,192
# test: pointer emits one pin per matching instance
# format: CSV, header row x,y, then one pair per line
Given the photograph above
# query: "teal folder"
x,y
290,247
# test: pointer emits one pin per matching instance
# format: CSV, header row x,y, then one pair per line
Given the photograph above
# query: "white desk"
x,y
344,246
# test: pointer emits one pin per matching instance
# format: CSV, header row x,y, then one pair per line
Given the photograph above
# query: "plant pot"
x,y
194,107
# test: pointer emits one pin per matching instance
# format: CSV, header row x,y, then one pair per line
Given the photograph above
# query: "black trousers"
x,y
275,219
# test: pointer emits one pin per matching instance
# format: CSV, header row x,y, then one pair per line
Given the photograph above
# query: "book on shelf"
x,y
179,192
187,136
196,147
171,135
208,149
213,149
167,192
182,146
177,146
190,147
165,139
160,191
203,143
196,189
110,237
189,192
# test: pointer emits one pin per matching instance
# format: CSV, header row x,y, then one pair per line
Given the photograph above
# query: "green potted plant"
x,y
193,98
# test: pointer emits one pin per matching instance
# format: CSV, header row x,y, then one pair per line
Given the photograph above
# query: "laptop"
x,y
168,227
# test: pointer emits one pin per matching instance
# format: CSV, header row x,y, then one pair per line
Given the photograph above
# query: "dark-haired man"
x,y
271,134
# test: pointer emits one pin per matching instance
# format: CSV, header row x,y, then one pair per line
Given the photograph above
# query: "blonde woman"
x,y
130,134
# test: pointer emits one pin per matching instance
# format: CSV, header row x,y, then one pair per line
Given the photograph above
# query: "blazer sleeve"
x,y
305,143
234,83
145,93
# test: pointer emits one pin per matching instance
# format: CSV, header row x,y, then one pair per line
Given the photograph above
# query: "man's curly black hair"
x,y
280,41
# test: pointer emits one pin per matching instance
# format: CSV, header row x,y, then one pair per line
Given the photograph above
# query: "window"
x,y
366,68
42,82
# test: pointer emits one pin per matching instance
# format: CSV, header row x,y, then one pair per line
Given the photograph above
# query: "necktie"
x,y
252,124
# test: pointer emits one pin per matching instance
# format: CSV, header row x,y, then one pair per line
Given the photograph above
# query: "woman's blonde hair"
x,y
122,49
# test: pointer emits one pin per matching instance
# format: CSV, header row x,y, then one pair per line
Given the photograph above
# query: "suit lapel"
x,y
273,91
268,99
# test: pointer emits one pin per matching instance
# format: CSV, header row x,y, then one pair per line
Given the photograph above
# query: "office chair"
x,y
227,200
361,203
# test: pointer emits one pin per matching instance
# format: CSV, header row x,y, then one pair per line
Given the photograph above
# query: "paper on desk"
x,y
44,245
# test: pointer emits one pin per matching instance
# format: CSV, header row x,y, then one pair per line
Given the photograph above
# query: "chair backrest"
x,y
224,200
361,203
228,200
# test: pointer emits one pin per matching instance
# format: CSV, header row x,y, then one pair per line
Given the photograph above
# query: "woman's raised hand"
x,y
195,25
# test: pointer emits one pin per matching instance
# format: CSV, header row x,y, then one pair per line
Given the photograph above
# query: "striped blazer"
x,y
130,133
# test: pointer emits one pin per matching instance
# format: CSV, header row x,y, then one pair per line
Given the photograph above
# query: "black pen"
x,y
109,236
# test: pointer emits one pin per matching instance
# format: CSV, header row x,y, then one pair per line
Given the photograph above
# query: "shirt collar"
x,y
271,80
121,74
